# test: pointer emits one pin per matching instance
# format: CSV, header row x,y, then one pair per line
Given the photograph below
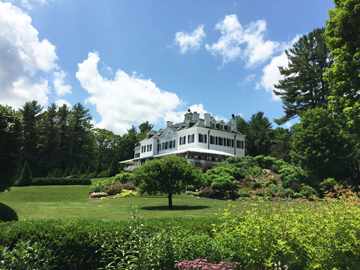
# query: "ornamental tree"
x,y
168,175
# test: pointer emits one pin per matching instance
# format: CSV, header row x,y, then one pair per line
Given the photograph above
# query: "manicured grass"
x,y
70,202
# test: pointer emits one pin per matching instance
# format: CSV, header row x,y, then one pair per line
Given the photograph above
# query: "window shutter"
x,y
205,138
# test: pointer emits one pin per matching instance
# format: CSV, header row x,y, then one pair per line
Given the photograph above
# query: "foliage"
x,y
81,170
243,193
207,166
114,168
7,213
256,185
124,177
342,38
74,171
279,192
168,175
309,192
67,172
280,140
25,177
303,86
319,144
91,175
207,192
103,174
125,193
98,169
301,235
89,169
204,264
98,194
102,185
224,182
10,146
114,189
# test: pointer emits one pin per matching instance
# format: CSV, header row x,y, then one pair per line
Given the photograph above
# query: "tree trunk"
x,y
170,201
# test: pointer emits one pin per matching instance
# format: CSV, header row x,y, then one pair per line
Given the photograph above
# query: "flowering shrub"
x,y
115,189
204,265
130,186
125,193
207,192
98,194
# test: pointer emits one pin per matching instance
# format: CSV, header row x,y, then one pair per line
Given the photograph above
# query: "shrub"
x,y
91,175
74,171
204,264
207,166
284,193
259,192
114,168
66,173
207,192
125,193
296,187
308,192
124,177
82,176
224,182
98,194
194,193
103,174
25,177
130,186
115,189
81,170
256,185
7,213
98,169
243,193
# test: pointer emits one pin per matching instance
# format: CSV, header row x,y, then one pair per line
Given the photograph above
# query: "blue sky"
x,y
135,61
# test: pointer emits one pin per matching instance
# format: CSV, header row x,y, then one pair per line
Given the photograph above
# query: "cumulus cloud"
x,y
125,100
191,41
246,43
59,83
128,100
22,55
30,4
61,102
271,74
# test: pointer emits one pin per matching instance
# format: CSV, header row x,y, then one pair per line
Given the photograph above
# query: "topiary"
x,y
26,178
103,174
74,171
98,169
114,168
81,170
89,169
66,173
91,175
7,213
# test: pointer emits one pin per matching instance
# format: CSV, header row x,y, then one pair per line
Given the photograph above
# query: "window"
x,y
170,146
212,125
240,144
228,142
148,147
159,147
226,128
182,140
212,140
218,126
166,145
202,138
191,138
221,141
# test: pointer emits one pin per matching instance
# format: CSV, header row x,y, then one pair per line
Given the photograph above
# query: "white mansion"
x,y
198,140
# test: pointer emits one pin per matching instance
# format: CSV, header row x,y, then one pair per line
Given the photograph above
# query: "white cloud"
x,y
59,83
271,73
61,102
125,100
22,55
191,41
128,100
30,4
246,43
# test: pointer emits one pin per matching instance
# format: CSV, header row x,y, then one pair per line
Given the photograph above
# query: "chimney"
x,y
169,123
196,116
207,119
233,121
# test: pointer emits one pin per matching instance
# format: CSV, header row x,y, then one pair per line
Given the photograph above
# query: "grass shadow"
x,y
175,207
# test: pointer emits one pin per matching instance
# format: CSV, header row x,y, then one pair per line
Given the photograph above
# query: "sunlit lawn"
x,y
70,202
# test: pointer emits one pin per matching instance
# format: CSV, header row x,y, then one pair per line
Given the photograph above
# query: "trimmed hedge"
x,y
7,213
79,244
61,181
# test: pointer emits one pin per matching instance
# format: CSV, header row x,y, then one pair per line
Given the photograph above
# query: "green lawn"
x,y
70,202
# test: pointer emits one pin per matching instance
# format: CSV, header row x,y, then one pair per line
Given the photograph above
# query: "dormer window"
x,y
221,127
212,125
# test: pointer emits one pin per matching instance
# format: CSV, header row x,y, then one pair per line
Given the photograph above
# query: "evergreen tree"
x,y
98,169
114,168
257,137
303,86
48,175
81,170
10,146
74,171
60,173
66,173
25,177
63,135
31,113
54,173
281,140
89,169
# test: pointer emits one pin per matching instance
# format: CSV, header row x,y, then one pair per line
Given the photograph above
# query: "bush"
x,y
60,181
25,177
259,192
207,192
308,192
207,166
115,189
125,193
83,176
98,194
124,177
284,193
256,185
91,175
74,171
114,168
194,193
103,174
243,193
66,173
130,186
224,182
7,213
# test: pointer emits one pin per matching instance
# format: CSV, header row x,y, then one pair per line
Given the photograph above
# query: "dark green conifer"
x,y
114,168
98,169
66,173
81,170
74,171
26,176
